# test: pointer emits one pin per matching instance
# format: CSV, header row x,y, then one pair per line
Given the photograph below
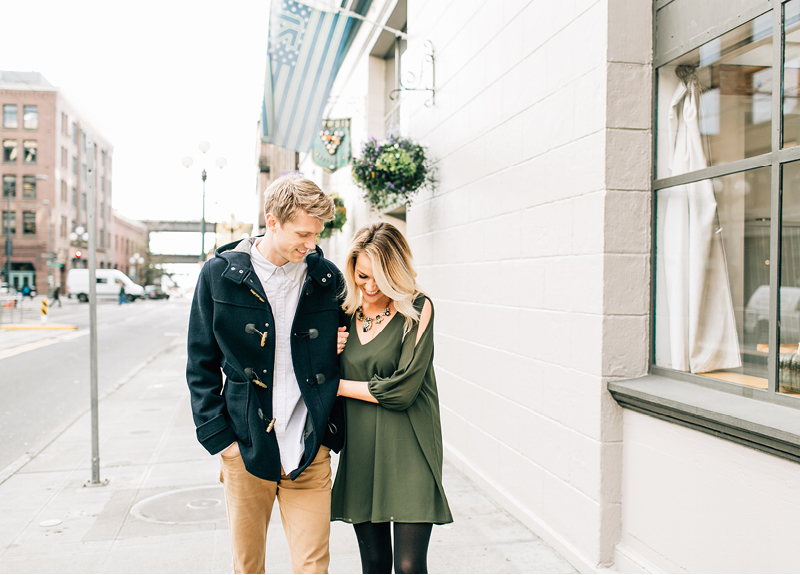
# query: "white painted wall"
x,y
535,248
698,504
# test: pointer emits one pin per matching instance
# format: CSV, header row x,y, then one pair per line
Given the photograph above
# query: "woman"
x,y
390,469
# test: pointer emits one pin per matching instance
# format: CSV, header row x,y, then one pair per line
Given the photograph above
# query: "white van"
x,y
107,284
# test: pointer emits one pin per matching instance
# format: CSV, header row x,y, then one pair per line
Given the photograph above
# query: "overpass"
x,y
191,226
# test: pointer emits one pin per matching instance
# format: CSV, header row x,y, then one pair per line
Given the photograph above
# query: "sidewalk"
x,y
163,510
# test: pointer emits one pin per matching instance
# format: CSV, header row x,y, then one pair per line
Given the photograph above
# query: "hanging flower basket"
x,y
391,171
339,218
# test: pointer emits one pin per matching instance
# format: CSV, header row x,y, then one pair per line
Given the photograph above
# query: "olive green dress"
x,y
390,468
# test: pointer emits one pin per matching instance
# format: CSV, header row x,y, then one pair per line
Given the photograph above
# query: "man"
x,y
267,312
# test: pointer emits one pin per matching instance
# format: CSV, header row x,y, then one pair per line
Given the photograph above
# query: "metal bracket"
x,y
412,79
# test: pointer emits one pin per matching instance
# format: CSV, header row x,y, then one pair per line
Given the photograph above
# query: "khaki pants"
x,y
305,506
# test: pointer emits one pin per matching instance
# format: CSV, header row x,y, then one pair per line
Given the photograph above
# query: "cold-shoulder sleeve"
x,y
399,391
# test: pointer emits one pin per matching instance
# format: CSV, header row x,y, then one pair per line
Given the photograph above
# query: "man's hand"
x,y
232,451
343,335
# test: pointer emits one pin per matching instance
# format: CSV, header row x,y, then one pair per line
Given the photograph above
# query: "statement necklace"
x,y
366,322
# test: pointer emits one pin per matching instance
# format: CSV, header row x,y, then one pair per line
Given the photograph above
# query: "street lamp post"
x,y
50,281
187,161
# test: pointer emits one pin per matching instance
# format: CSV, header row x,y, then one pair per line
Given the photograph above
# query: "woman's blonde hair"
x,y
285,196
392,269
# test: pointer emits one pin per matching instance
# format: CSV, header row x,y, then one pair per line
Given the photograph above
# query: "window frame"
x,y
16,147
35,152
26,215
727,410
16,114
36,111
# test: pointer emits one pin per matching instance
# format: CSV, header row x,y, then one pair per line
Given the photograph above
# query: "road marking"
x,y
41,343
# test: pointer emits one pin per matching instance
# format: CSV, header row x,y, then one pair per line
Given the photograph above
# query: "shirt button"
x,y
329,275
263,371
233,267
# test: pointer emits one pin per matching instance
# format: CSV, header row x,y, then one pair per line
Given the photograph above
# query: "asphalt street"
x,y
44,375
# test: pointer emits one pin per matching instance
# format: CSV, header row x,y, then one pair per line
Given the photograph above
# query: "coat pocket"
x,y
237,402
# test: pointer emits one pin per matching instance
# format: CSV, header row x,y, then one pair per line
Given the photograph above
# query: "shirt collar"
x,y
294,271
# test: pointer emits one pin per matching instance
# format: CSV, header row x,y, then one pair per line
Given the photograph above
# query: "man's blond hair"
x,y
287,195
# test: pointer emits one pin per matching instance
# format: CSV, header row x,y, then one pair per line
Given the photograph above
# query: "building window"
x,y
718,204
10,120
83,201
29,148
28,223
29,187
63,232
74,133
102,184
9,222
103,158
83,141
83,172
30,117
9,186
64,197
64,124
102,210
64,157
10,151
74,165
74,195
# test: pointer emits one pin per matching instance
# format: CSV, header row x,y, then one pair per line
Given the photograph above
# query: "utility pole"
x,y
9,247
91,217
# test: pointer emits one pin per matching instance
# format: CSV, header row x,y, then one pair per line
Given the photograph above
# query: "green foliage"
x,y
339,218
391,171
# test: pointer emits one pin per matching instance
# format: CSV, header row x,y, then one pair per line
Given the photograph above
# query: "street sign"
x,y
55,265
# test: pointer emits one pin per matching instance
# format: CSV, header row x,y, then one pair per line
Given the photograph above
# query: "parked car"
x,y
155,292
108,281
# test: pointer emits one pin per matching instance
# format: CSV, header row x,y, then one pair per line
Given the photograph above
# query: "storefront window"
x,y
712,270
731,80
791,75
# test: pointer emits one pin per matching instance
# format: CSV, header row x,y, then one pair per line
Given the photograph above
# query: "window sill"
x,y
768,427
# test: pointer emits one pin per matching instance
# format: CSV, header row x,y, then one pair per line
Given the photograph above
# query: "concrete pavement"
x,y
162,510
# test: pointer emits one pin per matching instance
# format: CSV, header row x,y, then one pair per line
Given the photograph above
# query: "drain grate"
x,y
183,506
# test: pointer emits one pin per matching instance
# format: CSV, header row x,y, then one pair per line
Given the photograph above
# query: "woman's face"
x,y
365,281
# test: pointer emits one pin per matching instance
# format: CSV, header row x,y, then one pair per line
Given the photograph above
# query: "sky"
x,y
156,79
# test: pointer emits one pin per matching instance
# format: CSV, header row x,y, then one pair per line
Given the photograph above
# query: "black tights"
x,y
410,547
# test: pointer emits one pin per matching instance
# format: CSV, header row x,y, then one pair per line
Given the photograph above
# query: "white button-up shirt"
x,y
283,285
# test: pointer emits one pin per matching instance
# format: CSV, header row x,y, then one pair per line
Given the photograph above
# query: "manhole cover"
x,y
182,506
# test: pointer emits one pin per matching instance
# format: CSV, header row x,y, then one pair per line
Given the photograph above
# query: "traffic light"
x,y
78,254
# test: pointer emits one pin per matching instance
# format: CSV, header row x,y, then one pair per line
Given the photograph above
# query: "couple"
x,y
272,315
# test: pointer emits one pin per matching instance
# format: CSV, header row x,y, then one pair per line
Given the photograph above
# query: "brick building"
x,y
44,175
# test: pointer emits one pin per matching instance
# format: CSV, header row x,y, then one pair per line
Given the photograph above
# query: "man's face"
x,y
293,240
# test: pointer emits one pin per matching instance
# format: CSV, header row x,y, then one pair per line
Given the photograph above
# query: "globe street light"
x,y
187,161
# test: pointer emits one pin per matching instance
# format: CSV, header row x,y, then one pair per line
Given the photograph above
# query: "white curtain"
x,y
702,325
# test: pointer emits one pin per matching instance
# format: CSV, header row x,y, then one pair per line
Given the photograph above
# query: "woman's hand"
x,y
342,340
